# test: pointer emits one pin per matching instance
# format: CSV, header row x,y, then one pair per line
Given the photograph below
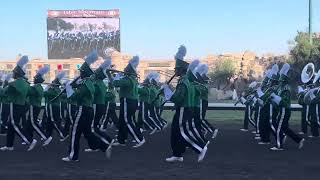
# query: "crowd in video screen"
x,y
76,37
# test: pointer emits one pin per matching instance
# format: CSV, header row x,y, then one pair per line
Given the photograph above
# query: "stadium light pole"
x,y
310,21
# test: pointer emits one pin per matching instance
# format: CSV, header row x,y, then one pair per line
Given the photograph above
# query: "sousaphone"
x,y
307,73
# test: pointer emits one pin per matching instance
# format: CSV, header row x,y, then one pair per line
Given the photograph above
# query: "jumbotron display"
x,y
75,33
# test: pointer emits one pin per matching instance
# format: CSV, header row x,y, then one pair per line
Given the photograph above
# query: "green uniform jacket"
x,y
128,87
197,89
84,94
204,92
153,94
160,100
100,92
266,97
64,99
110,96
284,92
51,93
144,94
301,98
184,94
2,95
35,95
17,91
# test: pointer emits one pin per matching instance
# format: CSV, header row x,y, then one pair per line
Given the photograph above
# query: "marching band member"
x,y
17,94
35,95
249,100
110,114
282,100
5,105
99,104
307,75
158,102
194,124
84,94
128,93
151,105
53,107
144,122
268,111
182,97
312,99
201,73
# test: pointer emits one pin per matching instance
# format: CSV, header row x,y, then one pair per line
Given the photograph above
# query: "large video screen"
x,y
73,34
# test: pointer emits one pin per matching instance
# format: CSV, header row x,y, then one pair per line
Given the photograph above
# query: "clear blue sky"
x,y
154,29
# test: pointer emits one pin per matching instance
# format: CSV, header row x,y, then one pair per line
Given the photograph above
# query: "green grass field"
x,y
231,116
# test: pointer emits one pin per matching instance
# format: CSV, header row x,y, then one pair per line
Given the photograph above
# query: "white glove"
x,y
312,96
254,99
276,98
260,102
69,90
300,89
243,100
79,81
167,92
117,77
46,88
259,92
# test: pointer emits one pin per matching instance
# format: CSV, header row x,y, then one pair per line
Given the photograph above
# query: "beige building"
x,y
164,67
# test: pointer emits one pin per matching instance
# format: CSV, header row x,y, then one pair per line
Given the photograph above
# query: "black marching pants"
x,y
304,118
248,117
179,133
54,120
204,122
111,115
142,117
5,115
265,128
82,125
16,113
32,123
313,119
257,116
194,125
99,112
158,113
283,127
127,125
152,116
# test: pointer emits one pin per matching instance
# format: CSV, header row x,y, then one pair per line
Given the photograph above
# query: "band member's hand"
x,y
69,90
300,89
167,91
117,77
259,92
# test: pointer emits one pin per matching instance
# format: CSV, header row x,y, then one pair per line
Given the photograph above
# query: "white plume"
x,y
253,84
23,61
106,64
134,62
268,73
91,57
182,51
193,65
60,75
155,76
8,76
275,69
284,70
200,69
45,69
